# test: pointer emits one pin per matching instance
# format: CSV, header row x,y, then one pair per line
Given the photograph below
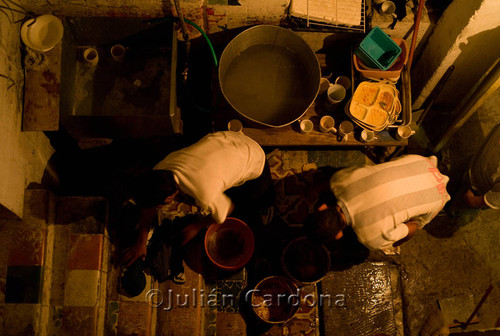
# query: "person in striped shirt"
x,y
484,174
384,204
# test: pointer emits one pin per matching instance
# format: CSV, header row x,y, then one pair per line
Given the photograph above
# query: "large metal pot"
x,y
269,75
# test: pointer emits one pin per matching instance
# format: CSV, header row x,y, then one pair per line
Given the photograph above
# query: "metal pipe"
x,y
415,32
485,296
185,34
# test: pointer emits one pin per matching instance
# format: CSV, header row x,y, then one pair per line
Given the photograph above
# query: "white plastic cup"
x,y
327,124
345,128
367,136
91,56
324,84
404,132
344,81
118,52
235,125
306,126
335,94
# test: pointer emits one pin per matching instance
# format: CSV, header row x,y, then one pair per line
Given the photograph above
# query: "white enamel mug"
x,y
345,128
327,124
306,126
367,136
404,132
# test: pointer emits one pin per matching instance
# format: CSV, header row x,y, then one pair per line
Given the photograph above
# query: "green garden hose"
x,y
212,51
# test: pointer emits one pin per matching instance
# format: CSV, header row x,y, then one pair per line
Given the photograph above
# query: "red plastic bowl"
x,y
229,245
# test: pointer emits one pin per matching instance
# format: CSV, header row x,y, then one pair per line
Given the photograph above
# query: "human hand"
x,y
131,254
192,229
412,229
472,200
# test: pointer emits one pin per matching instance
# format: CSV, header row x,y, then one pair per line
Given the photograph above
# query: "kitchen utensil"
x,y
229,245
305,261
42,33
327,124
273,299
306,126
269,75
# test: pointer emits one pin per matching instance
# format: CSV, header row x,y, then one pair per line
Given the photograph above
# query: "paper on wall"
x,y
347,12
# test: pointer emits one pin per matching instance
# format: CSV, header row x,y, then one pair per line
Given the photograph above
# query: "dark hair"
x,y
323,225
133,280
152,187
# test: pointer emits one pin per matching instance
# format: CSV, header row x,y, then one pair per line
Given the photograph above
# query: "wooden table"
x,y
291,136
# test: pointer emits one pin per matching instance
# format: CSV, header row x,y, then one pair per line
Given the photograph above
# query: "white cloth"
x,y
217,162
377,200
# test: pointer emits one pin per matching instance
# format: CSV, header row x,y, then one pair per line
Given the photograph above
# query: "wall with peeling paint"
x,y
466,36
23,155
212,15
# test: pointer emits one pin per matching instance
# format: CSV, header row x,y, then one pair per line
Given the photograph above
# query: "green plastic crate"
x,y
378,50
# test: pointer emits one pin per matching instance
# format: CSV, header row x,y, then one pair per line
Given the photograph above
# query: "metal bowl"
x,y
305,261
272,299
269,75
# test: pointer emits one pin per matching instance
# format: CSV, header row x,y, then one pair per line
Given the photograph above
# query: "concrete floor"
x,y
437,266
455,256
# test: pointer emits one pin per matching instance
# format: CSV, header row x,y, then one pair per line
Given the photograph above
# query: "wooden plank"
x,y
291,136
288,136
134,126
41,91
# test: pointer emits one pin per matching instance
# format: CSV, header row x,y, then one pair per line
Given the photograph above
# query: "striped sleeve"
x,y
381,197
